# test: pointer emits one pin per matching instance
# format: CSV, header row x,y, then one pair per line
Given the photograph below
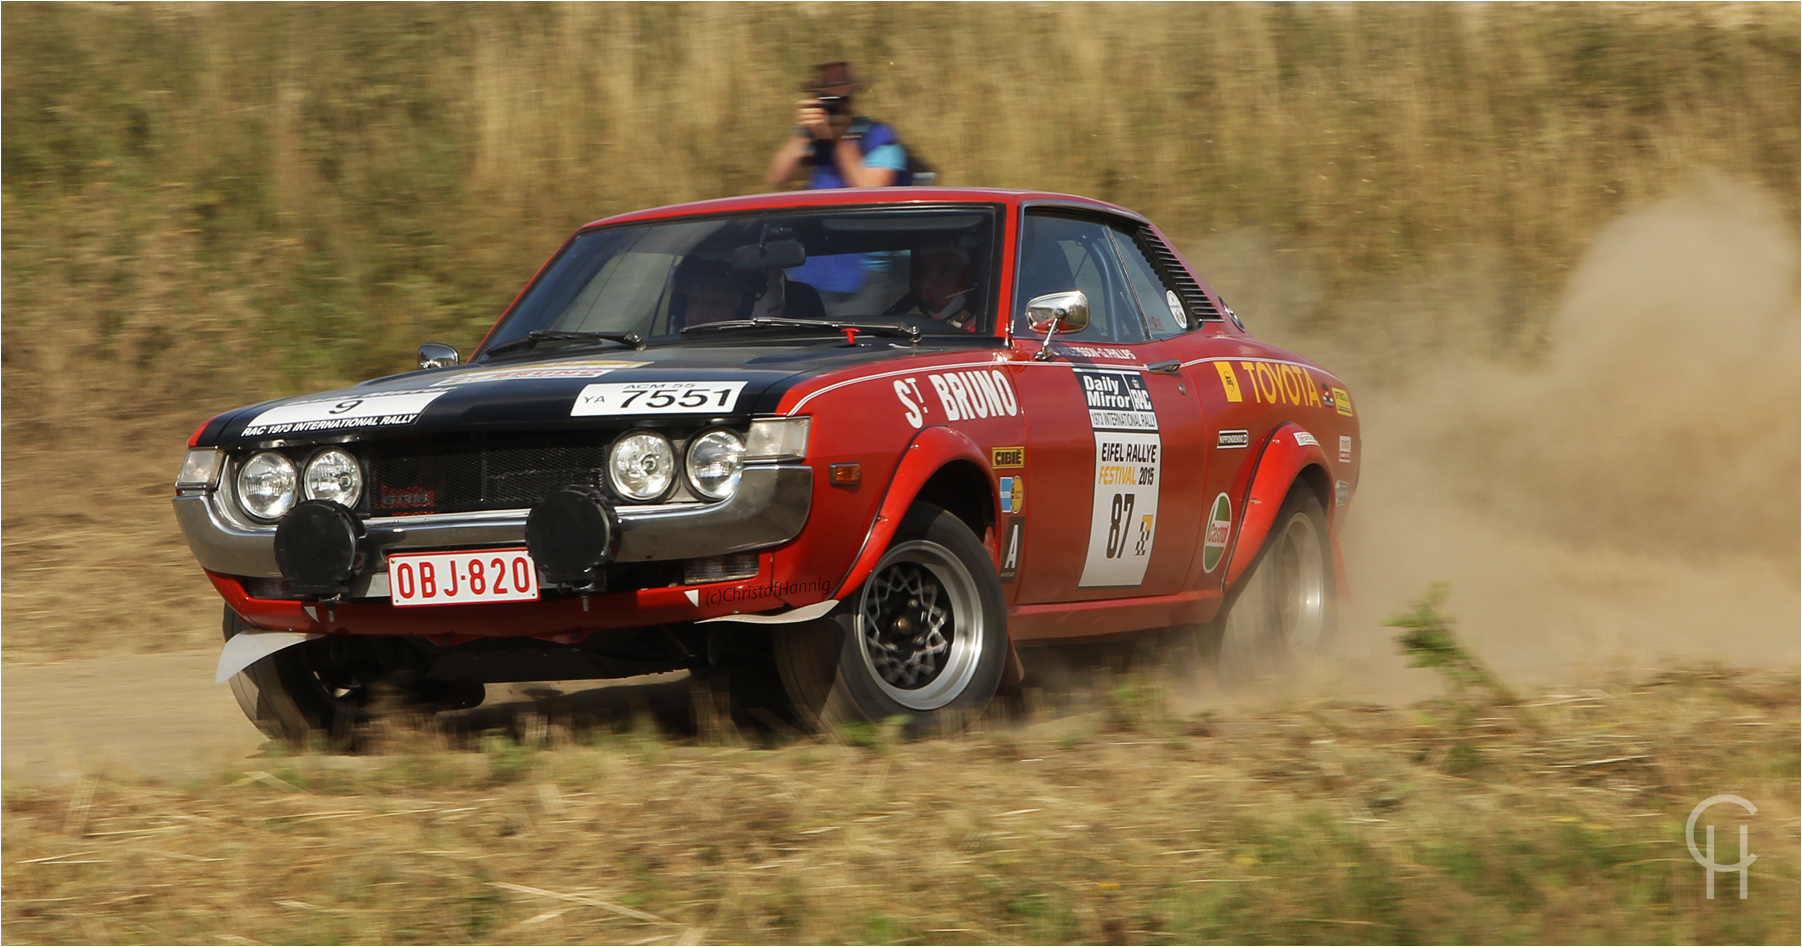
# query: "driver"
x,y
712,291
941,287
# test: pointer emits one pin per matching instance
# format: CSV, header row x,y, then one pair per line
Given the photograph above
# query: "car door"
x,y
1112,446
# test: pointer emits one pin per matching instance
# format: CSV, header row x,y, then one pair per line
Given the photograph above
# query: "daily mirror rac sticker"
x,y
657,397
588,368
383,409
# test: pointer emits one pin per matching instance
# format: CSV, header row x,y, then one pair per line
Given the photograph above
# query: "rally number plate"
x,y
461,578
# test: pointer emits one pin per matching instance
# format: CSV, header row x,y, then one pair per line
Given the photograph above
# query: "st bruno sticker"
x,y
1128,466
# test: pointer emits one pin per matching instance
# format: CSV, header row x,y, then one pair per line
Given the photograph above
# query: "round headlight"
x,y
716,461
333,474
641,466
267,485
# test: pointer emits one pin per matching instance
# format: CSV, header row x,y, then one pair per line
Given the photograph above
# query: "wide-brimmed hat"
x,y
832,78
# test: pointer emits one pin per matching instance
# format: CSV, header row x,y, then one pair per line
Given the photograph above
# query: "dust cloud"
x,y
1630,500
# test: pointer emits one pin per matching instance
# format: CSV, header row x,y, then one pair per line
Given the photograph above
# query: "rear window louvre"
x,y
1196,301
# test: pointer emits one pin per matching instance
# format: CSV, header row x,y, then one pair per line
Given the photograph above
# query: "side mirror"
x,y
1057,312
437,355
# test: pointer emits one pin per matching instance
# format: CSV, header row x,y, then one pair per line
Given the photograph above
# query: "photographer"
x,y
839,148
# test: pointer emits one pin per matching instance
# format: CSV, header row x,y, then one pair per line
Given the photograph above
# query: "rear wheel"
x,y
925,636
1282,609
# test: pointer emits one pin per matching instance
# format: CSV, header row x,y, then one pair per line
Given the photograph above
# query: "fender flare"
x,y
1278,468
932,448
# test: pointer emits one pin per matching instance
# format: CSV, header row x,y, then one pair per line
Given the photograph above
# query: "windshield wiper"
x,y
563,335
905,331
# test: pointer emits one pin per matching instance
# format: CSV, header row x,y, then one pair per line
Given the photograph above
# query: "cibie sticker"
x,y
1005,457
657,397
1345,448
1304,439
1220,528
1176,308
1013,494
382,409
1128,472
586,368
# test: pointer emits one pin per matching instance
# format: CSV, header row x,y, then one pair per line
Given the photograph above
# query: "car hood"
x,y
541,392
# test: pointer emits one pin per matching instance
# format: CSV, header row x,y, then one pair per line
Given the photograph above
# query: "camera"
x,y
833,104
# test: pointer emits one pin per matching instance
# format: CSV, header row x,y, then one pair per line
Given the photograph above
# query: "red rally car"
x,y
869,444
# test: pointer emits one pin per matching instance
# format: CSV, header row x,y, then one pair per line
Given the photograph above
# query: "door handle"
x,y
1170,367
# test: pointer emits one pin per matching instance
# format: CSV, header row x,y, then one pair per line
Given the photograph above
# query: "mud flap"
x,y
804,613
248,647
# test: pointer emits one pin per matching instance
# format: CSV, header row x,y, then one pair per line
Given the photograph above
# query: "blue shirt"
x,y
881,148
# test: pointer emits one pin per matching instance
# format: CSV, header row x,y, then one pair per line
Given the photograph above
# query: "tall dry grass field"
x,y
209,202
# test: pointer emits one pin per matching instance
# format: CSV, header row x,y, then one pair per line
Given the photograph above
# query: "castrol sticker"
x,y
383,409
1219,530
1128,468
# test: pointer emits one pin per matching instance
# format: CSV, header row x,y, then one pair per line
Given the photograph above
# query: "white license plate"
x,y
461,578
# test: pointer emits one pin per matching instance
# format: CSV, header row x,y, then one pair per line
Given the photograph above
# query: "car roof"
x,y
896,196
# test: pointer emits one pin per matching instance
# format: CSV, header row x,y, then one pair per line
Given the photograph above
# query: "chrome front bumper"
x,y
770,508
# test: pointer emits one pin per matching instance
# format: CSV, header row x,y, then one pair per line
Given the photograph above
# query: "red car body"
x,y
1009,440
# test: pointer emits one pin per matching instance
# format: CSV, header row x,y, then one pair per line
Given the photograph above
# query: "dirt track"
x,y
160,716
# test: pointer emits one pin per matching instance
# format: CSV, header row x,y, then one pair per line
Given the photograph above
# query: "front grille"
x,y
463,478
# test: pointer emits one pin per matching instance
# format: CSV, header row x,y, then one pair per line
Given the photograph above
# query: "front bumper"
x,y
770,508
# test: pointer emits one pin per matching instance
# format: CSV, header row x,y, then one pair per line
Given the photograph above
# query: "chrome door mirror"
x,y
1057,312
437,355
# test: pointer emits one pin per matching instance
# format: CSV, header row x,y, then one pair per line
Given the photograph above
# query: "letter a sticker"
x,y
1229,382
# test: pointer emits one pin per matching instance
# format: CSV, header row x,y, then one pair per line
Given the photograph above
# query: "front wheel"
x,y
296,694
925,636
321,689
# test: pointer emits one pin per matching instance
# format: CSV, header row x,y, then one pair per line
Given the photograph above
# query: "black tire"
x,y
289,699
1283,608
320,689
924,637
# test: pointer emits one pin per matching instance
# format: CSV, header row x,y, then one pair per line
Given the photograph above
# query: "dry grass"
x,y
1320,822
210,202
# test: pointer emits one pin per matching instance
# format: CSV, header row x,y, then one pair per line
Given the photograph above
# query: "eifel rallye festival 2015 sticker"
x,y
1128,466
383,409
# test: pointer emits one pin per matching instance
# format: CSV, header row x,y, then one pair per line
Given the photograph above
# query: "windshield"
x,y
930,268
